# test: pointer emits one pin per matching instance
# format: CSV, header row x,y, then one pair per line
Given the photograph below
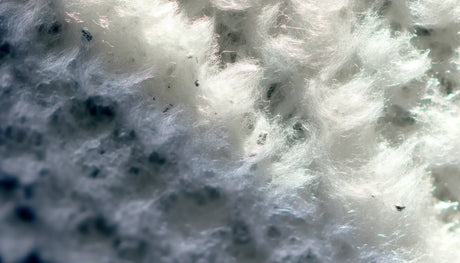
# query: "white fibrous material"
x,y
230,131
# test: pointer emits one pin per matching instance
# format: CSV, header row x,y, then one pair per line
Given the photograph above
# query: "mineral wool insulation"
x,y
229,131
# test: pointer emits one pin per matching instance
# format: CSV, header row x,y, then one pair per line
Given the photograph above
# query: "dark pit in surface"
x,y
32,257
8,182
25,213
5,50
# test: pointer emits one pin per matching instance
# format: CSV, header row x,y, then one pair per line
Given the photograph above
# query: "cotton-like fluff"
x,y
239,131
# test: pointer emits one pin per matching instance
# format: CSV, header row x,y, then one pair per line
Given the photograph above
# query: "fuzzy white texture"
x,y
321,117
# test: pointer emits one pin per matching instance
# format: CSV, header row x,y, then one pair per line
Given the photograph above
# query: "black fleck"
x,y
400,208
86,35
25,213
262,139
422,31
97,110
102,226
197,84
168,108
270,91
97,224
298,126
446,86
156,158
94,173
8,183
234,37
92,112
212,192
32,257
55,28
5,49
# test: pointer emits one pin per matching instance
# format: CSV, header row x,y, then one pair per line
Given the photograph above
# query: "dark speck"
x,y
168,108
270,91
55,28
298,126
8,183
212,192
422,31
132,134
446,85
5,49
156,158
387,4
103,227
95,173
262,139
400,208
25,213
86,35
97,110
92,112
234,37
197,84
32,257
